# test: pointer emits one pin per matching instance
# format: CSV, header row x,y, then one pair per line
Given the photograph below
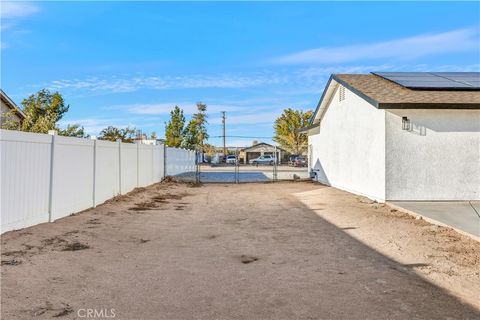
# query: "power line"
x,y
246,137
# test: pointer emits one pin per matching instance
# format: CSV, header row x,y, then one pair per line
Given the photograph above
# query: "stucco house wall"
x,y
349,151
439,159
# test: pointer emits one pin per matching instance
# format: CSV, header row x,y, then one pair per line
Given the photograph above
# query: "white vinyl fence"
x,y
47,177
184,161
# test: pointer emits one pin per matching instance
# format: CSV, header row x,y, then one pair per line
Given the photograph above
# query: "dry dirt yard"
x,y
248,251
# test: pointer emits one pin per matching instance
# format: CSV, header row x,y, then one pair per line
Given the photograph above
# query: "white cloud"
x,y
16,9
93,126
405,48
252,118
165,108
289,81
239,143
129,84
9,14
154,108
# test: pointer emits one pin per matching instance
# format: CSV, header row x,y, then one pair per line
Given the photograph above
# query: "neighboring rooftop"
x,y
9,103
383,93
259,144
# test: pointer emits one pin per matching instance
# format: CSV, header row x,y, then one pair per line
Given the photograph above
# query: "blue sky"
x,y
129,63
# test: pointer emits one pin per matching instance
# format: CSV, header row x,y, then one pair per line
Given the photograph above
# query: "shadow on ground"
x,y
235,251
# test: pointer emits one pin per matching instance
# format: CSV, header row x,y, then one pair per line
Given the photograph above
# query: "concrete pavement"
x,y
247,173
463,216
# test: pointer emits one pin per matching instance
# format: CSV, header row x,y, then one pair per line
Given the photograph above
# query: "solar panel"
x,y
434,80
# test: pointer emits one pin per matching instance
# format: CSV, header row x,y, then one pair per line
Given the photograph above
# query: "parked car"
x,y
291,160
231,159
267,159
300,162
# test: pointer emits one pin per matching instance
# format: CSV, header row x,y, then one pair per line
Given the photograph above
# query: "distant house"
x,y
399,136
260,149
8,105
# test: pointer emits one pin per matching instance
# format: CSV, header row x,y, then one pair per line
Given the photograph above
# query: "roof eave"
x,y
321,100
453,106
308,128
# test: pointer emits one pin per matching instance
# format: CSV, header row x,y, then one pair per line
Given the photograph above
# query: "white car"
x,y
231,159
267,159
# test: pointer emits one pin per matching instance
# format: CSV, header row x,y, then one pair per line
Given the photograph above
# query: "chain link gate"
x,y
236,168
239,166
275,164
198,155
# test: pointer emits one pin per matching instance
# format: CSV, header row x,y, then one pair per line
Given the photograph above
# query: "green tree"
x,y
195,133
209,149
112,133
153,135
10,121
286,130
73,130
42,111
174,129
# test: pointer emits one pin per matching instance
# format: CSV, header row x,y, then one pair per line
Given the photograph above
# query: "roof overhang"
x,y
414,105
334,81
452,106
325,99
311,129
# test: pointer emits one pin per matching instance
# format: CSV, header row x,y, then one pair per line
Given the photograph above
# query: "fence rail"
x,y
47,177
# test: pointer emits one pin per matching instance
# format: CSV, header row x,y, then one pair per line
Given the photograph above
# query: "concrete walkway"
x,y
461,215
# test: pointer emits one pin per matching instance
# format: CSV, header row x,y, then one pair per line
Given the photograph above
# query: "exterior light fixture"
x,y
406,124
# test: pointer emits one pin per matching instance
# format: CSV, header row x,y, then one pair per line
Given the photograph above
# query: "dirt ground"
x,y
249,251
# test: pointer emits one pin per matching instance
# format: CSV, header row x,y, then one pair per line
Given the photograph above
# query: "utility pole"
x,y
224,144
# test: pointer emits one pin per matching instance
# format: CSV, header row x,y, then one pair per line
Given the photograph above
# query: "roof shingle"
x,y
389,94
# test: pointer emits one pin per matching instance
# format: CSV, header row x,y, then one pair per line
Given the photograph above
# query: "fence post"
x,y
119,166
275,176
138,164
94,171
164,160
153,174
50,195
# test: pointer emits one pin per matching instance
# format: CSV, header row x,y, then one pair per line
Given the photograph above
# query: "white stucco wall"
x,y
349,151
438,160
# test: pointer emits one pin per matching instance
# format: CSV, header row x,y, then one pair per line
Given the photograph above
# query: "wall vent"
x,y
341,94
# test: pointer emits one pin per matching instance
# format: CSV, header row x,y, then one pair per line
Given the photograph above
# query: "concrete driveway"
x,y
463,216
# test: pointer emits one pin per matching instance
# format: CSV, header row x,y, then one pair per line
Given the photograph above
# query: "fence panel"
x,y
25,179
158,163
180,161
128,167
145,165
171,165
72,185
107,170
45,177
